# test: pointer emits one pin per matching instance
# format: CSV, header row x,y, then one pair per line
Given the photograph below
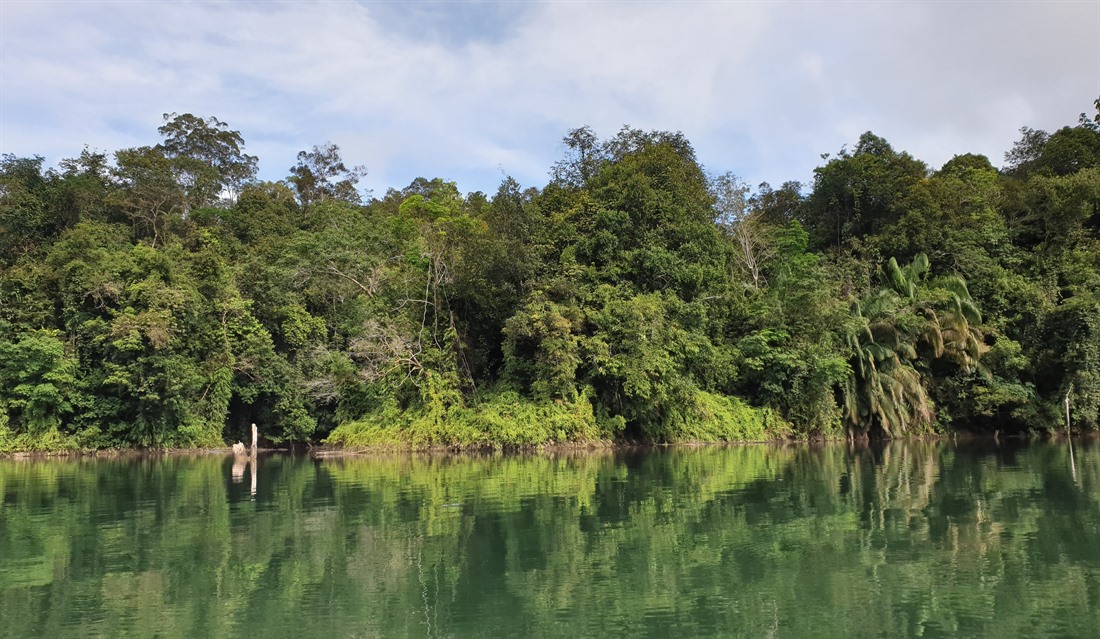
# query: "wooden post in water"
x,y
255,437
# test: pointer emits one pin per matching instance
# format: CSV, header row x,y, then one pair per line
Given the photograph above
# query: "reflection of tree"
x,y
741,541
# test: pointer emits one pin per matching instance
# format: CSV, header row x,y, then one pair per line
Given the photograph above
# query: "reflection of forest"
x,y
898,540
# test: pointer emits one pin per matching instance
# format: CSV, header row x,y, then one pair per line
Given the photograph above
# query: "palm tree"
x,y
957,323
952,317
885,389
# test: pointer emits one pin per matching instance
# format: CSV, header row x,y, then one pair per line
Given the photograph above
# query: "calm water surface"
x,y
911,539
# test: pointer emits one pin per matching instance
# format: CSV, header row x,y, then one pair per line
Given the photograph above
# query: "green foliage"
x,y
37,392
897,331
542,349
1064,152
207,157
716,418
860,192
1071,359
168,299
321,175
503,419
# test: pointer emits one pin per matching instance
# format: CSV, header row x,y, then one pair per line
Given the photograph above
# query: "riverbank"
x,y
126,453
322,451
326,451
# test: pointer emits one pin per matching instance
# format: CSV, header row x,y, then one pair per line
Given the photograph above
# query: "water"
x,y
911,539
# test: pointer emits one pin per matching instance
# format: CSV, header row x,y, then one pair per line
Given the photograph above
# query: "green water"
x,y
911,539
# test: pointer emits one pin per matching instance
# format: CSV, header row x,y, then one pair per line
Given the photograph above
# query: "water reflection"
x,y
241,463
936,539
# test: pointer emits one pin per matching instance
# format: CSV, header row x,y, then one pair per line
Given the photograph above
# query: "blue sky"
x,y
473,91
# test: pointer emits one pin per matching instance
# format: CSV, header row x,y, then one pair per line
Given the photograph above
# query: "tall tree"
x,y
147,190
24,209
1066,151
743,225
886,389
583,156
207,157
860,192
321,174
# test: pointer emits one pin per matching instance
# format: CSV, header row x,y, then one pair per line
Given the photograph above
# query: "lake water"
x,y
910,539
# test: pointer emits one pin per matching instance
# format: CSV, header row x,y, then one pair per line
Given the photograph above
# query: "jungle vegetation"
x,y
163,296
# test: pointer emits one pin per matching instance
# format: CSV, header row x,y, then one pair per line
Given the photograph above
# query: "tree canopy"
x,y
163,296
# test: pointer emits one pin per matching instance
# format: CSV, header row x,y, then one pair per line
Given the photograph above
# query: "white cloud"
x,y
760,88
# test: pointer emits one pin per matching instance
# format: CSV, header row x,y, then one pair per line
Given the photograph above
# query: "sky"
x,y
475,91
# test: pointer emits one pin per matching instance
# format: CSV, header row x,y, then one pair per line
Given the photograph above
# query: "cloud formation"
x,y
473,91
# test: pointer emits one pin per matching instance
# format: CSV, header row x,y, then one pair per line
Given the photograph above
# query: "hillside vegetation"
x,y
162,296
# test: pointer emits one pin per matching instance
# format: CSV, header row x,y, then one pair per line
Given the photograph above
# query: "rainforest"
x,y
164,297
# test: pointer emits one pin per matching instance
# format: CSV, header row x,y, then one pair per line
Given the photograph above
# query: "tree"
x,y
743,225
1066,151
83,187
37,380
884,390
584,154
649,218
887,326
147,190
320,175
778,206
860,193
24,209
207,158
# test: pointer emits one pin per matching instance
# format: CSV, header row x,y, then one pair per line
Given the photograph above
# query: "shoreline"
x,y
123,453
338,452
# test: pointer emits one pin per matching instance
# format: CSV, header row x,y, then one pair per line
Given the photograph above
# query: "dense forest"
x,y
162,296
